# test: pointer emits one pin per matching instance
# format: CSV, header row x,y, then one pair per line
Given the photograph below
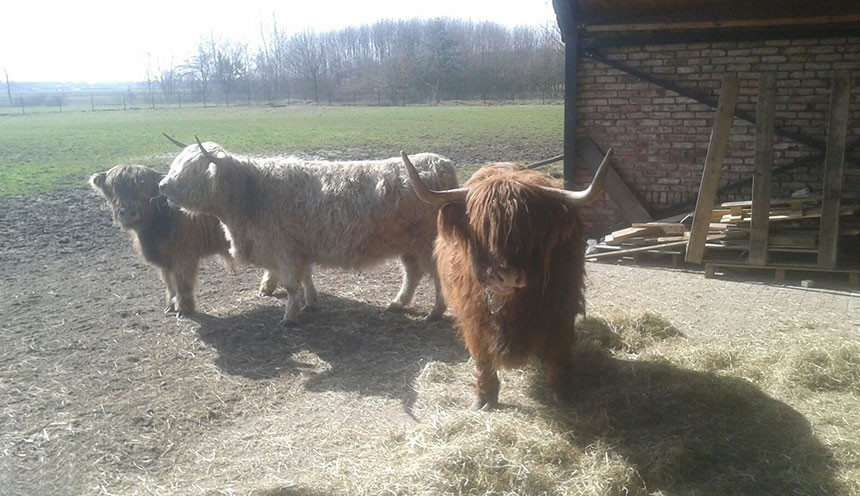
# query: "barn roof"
x,y
608,22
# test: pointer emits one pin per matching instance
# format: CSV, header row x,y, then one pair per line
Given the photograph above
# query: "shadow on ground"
x,y
689,432
367,350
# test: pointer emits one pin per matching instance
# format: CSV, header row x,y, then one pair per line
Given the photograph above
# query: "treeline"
x,y
388,62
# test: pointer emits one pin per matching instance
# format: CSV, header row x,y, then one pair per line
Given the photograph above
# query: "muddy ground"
x,y
103,394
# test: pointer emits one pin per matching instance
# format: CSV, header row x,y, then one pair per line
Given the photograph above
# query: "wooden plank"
x,y
763,165
666,227
715,237
834,159
713,166
618,191
632,233
775,201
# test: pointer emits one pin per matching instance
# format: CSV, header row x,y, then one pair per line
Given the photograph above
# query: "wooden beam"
x,y
718,24
765,109
621,195
721,35
834,160
713,167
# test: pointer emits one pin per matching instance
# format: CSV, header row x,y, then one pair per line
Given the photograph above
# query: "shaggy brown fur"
x,y
165,237
511,261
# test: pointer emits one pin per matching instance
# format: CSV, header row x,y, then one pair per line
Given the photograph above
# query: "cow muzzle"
x,y
503,281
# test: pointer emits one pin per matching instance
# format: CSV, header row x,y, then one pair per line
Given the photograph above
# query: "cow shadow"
x,y
690,432
339,345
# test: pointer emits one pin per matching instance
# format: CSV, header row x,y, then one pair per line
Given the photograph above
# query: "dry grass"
x,y
104,395
657,415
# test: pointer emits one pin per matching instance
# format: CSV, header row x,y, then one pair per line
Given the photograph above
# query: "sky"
x,y
109,41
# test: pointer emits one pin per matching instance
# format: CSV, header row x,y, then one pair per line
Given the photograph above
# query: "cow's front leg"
x,y
292,276
487,386
170,292
185,278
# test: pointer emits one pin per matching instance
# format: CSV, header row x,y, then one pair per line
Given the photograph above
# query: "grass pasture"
x,y
41,152
687,385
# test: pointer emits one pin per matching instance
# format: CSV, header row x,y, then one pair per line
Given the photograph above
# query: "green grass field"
x,y
43,152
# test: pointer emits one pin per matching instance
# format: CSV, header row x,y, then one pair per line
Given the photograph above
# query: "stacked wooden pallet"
x,y
793,233
794,226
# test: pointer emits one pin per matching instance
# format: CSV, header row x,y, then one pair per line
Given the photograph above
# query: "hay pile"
x,y
656,415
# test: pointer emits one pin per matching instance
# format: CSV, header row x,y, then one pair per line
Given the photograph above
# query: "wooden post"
x,y
123,102
834,159
713,167
567,21
92,103
621,195
763,164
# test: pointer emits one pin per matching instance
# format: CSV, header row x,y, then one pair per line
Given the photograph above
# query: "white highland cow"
x,y
287,214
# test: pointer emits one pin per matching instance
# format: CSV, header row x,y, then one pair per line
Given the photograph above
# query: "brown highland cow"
x,y
511,259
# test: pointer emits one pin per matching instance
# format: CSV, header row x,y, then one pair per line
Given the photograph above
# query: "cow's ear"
x,y
453,220
97,181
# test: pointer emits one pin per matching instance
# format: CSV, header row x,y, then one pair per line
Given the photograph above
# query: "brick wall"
x,y
661,138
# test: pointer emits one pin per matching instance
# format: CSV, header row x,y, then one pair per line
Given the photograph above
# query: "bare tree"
x,y
169,79
8,87
307,59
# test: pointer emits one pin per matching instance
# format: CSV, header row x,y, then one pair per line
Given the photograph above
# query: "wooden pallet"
x,y
780,271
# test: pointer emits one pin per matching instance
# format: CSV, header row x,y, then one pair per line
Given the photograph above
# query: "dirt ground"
x,y
100,393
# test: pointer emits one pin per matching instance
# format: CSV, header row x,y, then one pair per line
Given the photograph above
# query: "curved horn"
x,y
206,154
589,194
175,142
426,194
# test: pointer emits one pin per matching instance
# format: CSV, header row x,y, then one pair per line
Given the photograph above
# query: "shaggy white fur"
x,y
286,214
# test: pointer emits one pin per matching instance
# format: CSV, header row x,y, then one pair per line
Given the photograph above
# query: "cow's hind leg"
x,y
411,277
558,364
310,289
269,283
439,306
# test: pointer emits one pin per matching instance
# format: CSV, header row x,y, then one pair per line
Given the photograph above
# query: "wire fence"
x,y
32,102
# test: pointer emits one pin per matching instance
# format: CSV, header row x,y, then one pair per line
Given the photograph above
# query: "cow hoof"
x,y
169,310
265,293
434,316
483,405
288,323
394,307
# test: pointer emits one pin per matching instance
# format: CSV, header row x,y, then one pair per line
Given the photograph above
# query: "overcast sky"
x,y
100,41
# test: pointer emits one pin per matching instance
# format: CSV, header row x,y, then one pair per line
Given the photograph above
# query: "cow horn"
x,y
426,194
206,154
174,141
587,195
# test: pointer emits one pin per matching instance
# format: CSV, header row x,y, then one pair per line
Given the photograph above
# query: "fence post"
x,y
92,103
179,96
22,104
152,100
123,102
